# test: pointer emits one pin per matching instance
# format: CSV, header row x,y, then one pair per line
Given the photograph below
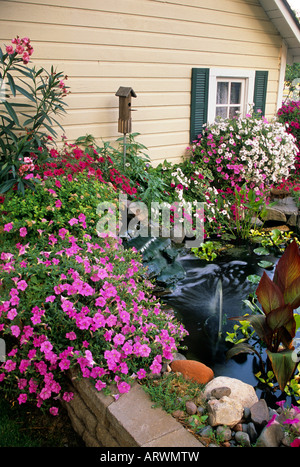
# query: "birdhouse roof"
x,y
124,92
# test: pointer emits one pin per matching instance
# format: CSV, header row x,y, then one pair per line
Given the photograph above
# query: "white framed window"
x,y
230,91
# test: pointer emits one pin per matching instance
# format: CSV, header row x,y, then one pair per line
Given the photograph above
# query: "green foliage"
x,y
29,109
50,207
276,326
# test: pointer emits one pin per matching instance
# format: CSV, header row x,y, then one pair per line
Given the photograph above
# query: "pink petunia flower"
x,y
8,227
23,232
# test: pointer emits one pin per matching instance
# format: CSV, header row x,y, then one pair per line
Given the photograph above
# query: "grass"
x,y
27,426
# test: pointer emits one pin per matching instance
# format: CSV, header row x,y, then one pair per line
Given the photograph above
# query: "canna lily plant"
x,y
276,325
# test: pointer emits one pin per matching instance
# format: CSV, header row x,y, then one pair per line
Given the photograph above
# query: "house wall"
x,y
149,45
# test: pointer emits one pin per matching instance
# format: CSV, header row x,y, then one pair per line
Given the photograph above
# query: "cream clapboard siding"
x,y
150,45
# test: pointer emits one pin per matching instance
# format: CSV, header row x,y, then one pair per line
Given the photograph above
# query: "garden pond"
x,y
204,295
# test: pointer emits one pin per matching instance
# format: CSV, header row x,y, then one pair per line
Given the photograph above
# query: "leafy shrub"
x,y
52,206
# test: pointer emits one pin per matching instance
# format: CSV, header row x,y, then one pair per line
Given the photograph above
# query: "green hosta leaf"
x,y
283,366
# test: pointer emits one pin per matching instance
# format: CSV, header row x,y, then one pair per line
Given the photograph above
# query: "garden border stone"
x,y
129,421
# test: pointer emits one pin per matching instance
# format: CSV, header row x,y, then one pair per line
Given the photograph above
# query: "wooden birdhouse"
x,y
125,94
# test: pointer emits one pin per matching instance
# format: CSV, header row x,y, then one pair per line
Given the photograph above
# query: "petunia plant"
x,y
82,303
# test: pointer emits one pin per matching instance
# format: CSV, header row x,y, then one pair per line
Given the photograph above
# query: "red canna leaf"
x,y
269,294
288,267
283,366
292,294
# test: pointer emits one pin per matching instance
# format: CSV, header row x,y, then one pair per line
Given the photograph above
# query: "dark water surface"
x,y
196,303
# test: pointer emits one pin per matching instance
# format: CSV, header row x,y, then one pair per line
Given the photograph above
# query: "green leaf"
x,y
11,112
11,83
25,93
265,264
269,294
261,251
283,366
240,348
254,278
7,185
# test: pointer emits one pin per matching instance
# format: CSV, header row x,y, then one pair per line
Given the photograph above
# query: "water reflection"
x,y
196,302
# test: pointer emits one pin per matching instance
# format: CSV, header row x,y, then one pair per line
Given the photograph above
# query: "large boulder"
x,y
240,391
224,411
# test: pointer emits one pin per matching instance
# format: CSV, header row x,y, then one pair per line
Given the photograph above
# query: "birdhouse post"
x,y
124,123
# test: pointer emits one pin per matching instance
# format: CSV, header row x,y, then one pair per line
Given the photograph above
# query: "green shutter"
x,y
199,101
260,91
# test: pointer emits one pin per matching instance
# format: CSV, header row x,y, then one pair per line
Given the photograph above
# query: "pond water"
x,y
196,303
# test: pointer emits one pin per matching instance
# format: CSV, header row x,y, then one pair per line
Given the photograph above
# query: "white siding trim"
x,y
284,53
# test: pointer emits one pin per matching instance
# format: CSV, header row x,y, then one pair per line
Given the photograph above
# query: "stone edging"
x,y
130,421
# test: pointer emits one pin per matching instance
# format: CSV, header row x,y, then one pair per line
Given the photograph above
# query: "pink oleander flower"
x,y
10,50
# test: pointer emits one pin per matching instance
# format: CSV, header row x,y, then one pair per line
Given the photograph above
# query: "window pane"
x,y
233,110
235,95
222,93
221,112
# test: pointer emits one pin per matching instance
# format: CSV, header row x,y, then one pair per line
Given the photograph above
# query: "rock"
x,y
273,214
224,433
260,413
247,413
217,393
193,370
207,432
252,432
242,439
240,391
178,414
270,436
224,411
191,407
238,427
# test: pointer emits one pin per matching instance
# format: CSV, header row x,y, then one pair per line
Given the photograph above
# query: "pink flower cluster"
x,y
113,329
289,418
22,47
